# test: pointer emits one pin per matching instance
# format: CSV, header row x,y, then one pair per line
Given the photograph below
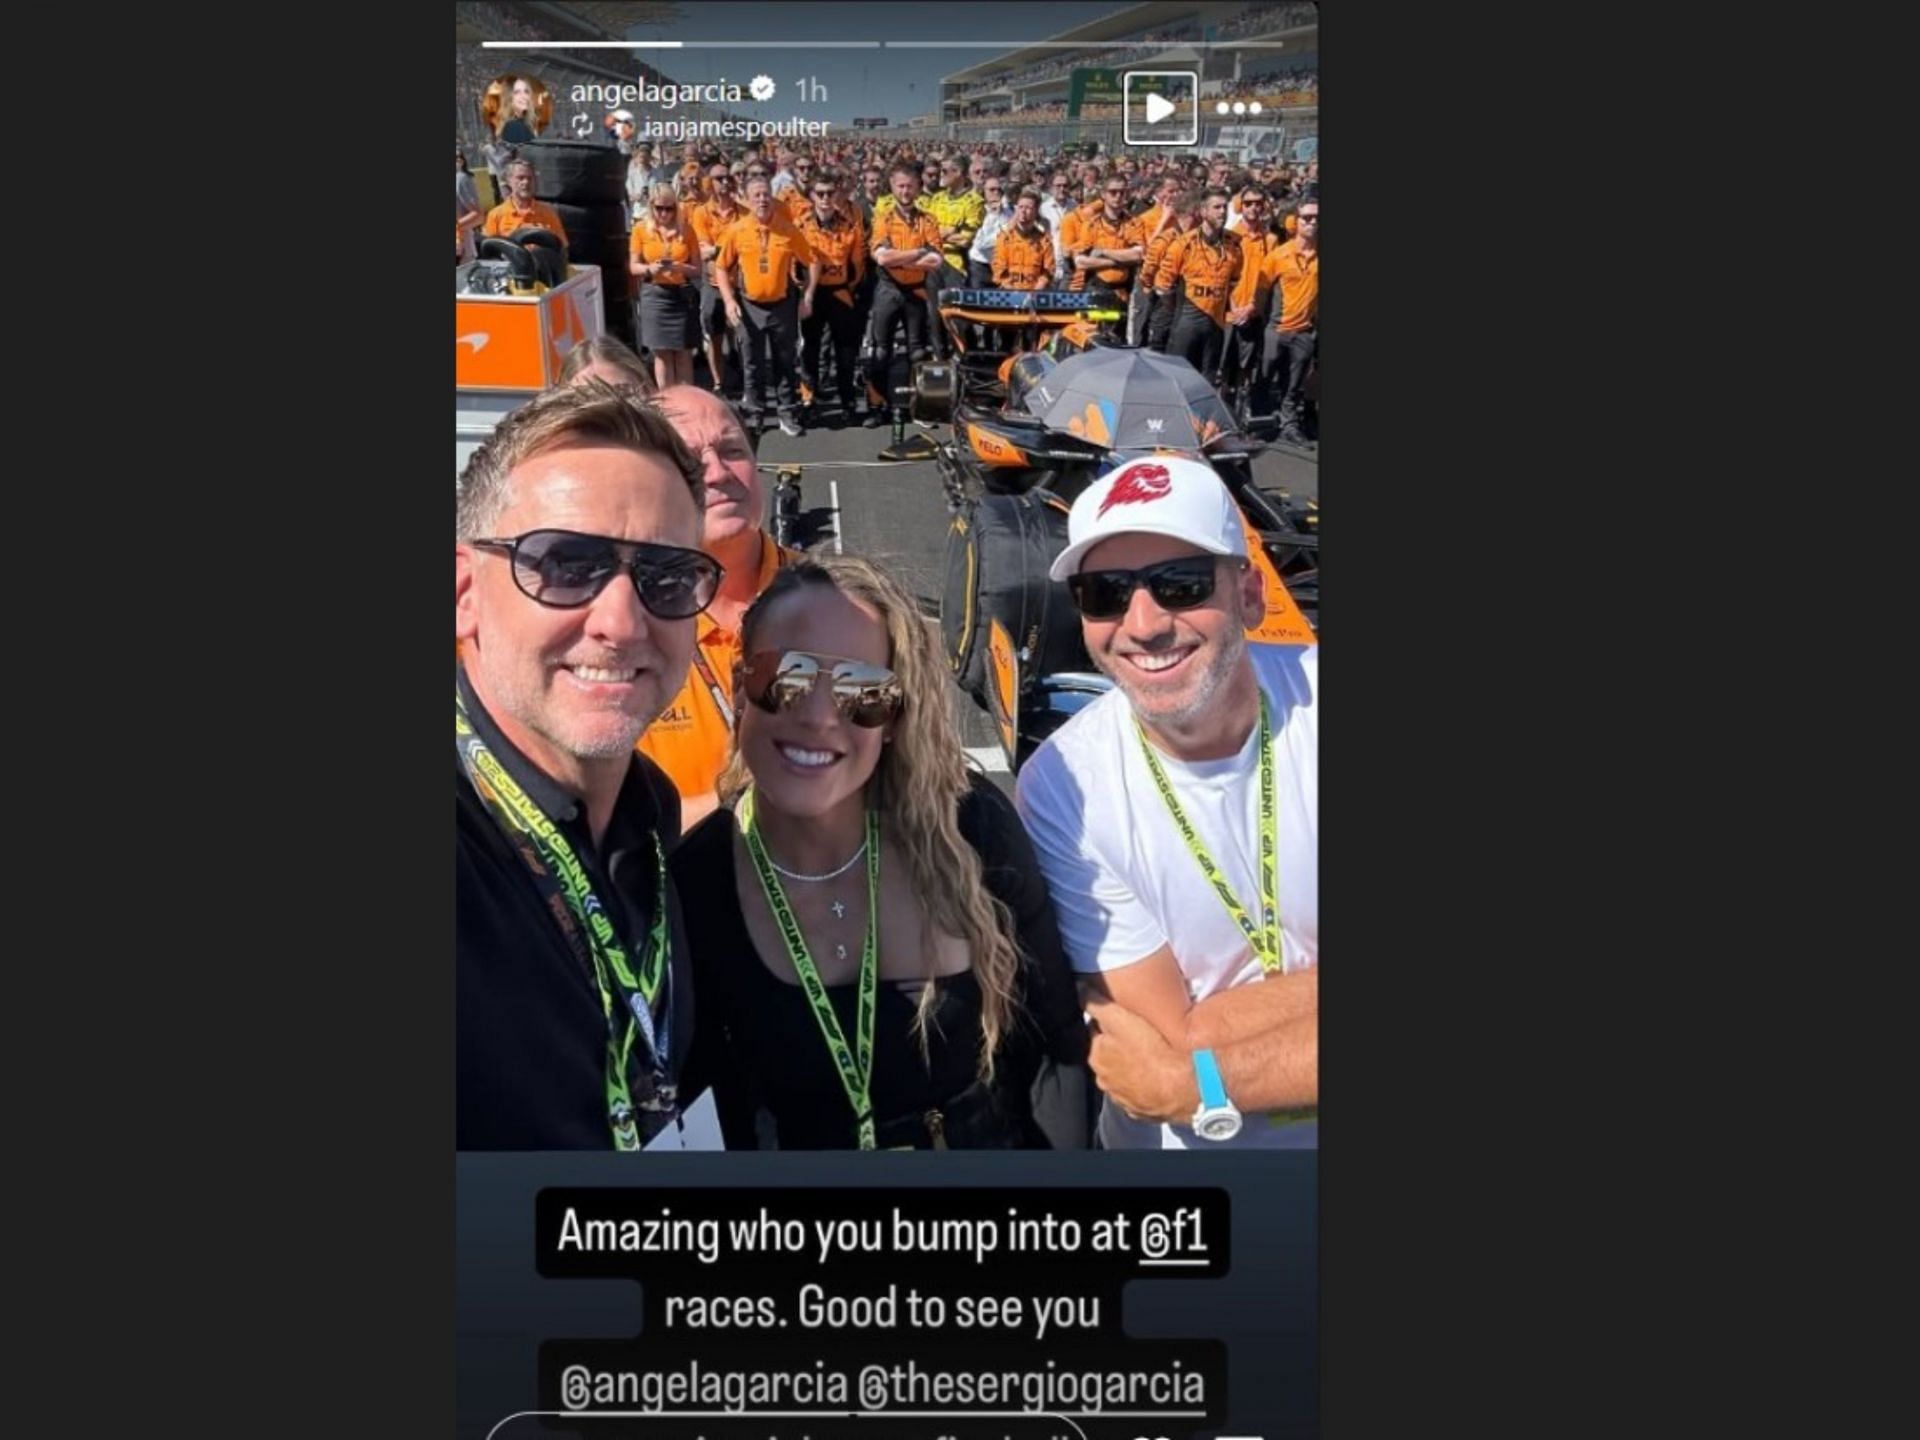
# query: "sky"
x,y
893,84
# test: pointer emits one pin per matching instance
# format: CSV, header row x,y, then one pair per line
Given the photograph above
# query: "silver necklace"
x,y
817,879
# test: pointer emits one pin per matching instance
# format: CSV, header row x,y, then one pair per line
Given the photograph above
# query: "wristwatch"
x,y
1216,1119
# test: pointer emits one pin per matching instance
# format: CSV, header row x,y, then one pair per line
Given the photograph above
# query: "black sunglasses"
x,y
775,680
565,570
1174,584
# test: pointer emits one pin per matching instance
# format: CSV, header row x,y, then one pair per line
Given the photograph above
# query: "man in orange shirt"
x,y
1206,262
1107,247
755,271
711,222
905,250
693,736
1023,254
520,211
799,195
1156,221
839,241
1244,365
1182,214
1293,270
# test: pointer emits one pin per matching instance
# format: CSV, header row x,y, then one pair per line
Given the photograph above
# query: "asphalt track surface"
x,y
896,515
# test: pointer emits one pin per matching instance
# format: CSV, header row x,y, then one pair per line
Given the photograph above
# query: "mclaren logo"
x,y
478,340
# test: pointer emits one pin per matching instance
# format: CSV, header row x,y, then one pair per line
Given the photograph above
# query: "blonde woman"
x,y
664,257
876,958
520,120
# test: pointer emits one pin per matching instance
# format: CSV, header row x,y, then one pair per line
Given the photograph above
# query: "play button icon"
x,y
1161,107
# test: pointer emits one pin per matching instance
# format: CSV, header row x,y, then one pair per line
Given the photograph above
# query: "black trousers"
x,y
891,301
839,324
770,331
1289,354
1196,339
1244,361
1161,310
945,278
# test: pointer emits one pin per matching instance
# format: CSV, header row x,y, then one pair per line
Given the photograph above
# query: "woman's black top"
x,y
773,1077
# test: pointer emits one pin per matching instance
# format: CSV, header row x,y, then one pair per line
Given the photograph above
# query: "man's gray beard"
x,y
523,706
1225,660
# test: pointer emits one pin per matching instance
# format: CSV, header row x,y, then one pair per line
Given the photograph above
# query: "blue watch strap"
x,y
1213,1090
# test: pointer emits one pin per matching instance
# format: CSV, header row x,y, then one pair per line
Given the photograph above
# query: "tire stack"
x,y
586,183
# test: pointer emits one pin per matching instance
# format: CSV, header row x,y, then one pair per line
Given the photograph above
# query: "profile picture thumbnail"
x,y
517,108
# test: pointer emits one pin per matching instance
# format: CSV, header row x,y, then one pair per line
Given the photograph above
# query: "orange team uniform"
x,y
1157,251
694,735
711,227
1096,232
1297,273
1254,249
841,250
1022,261
765,255
899,232
1210,271
505,218
1068,240
650,247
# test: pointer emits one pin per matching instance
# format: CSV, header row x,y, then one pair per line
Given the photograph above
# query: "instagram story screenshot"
x,y
886,984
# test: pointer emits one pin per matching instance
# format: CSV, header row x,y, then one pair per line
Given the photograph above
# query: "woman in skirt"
x,y
665,260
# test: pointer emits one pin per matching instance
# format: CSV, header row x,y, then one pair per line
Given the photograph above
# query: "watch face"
x,y
1217,1124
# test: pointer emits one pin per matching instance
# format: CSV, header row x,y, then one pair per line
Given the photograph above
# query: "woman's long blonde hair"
x,y
917,787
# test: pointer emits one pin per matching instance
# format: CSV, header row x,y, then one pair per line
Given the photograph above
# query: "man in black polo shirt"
x,y
577,580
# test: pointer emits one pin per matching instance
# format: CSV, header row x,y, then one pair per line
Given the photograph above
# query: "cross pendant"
x,y
839,909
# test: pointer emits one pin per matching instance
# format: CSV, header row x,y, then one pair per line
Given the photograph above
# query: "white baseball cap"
x,y
1169,495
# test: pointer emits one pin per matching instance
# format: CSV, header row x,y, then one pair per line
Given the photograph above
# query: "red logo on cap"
x,y
1137,485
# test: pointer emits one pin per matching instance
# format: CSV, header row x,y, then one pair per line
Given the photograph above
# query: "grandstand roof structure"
x,y
1109,27
1118,26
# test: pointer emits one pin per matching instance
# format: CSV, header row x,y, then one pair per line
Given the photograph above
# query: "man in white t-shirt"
x,y
1181,852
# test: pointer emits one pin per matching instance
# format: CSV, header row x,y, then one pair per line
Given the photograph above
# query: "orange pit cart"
x,y
519,310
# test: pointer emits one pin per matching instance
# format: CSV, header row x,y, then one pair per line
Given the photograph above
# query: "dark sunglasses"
x,y
665,209
566,570
776,680
1174,584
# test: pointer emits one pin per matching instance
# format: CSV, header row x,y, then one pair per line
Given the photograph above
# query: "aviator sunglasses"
x,y
776,680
